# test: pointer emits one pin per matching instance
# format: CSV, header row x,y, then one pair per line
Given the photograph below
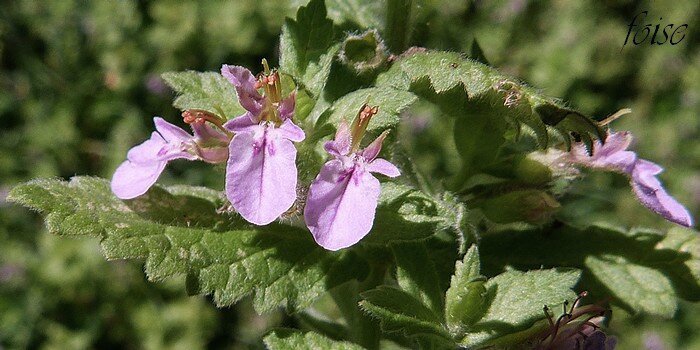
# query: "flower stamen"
x,y
198,116
359,126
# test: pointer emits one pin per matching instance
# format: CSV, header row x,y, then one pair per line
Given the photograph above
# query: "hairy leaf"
x,y
390,101
304,46
399,311
515,300
465,301
180,231
363,14
442,72
287,339
405,214
644,271
208,91
416,274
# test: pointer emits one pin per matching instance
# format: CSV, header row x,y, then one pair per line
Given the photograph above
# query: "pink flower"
x,y
614,156
342,200
261,174
146,162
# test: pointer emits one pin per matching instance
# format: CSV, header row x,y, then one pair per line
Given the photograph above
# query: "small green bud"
x,y
531,171
531,206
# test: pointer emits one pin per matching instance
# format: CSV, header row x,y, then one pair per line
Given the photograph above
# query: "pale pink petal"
x,y
261,175
286,106
244,82
651,193
213,155
372,150
147,152
131,180
383,167
291,131
614,142
340,146
612,155
170,132
645,173
244,123
207,133
341,205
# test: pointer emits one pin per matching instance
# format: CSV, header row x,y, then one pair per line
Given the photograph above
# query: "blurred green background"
x,y
79,84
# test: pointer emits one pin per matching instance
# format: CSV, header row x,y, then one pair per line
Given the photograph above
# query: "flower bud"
x,y
531,206
531,171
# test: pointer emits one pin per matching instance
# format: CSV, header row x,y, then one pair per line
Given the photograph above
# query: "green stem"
x,y
398,24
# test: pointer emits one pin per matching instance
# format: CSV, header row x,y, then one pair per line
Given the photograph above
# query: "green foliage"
x,y
442,72
292,339
180,232
515,300
465,300
478,311
207,91
80,85
644,271
390,101
399,311
416,274
405,214
304,44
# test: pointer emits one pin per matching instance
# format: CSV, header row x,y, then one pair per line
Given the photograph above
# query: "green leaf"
x,y
405,214
643,288
390,101
364,14
515,300
287,339
180,231
643,271
478,134
399,311
304,45
465,301
207,91
442,72
685,271
416,274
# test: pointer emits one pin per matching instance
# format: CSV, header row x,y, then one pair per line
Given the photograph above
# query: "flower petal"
x,y
131,180
171,133
341,205
614,142
213,155
244,81
261,175
204,132
652,194
612,155
372,150
291,131
243,123
286,106
340,146
147,152
383,167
